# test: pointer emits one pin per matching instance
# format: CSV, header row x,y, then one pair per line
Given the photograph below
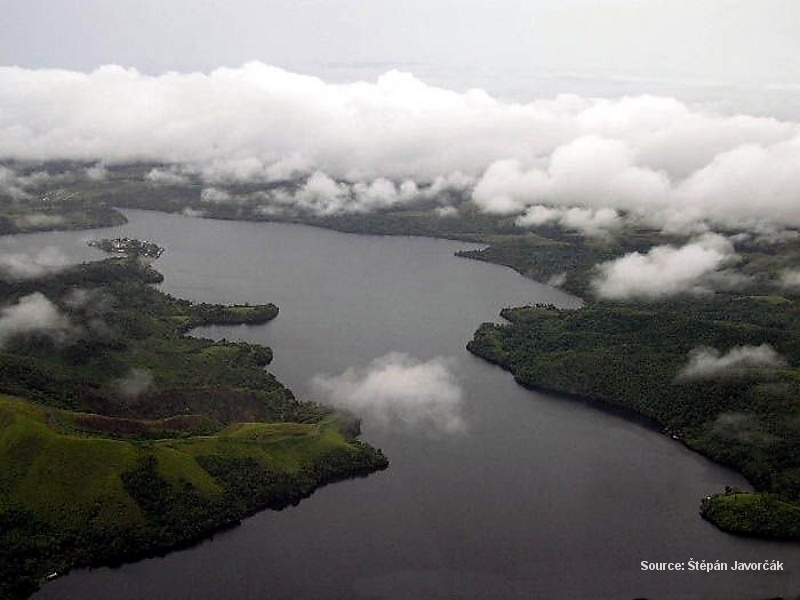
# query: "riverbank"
x,y
742,419
749,424
122,438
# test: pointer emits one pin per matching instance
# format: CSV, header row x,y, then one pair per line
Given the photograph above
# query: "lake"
x,y
533,497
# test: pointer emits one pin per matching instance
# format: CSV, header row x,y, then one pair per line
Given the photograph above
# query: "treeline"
x,y
128,442
216,314
633,356
118,325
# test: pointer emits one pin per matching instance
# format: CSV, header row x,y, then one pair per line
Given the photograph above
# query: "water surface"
x,y
539,498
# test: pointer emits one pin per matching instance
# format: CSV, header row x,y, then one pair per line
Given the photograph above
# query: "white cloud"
x,y
38,220
660,160
192,212
10,184
135,383
446,211
748,184
399,390
790,279
707,362
382,193
214,195
30,266
34,313
168,176
320,194
557,280
96,172
589,221
664,270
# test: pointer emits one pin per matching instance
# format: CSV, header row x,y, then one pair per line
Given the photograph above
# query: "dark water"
x,y
540,498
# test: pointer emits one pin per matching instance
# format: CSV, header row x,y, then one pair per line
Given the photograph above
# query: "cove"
x,y
539,497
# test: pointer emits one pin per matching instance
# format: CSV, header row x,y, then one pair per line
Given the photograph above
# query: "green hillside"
x,y
630,358
120,437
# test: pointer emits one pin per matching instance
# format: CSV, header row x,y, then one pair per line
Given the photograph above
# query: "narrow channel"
x,y
526,496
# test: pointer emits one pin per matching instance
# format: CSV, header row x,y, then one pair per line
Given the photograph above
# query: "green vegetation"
x,y
625,357
629,358
761,515
120,437
55,210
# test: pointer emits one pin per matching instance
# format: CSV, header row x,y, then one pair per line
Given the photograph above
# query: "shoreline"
x,y
197,451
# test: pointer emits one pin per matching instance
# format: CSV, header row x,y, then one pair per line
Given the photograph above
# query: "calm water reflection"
x,y
540,498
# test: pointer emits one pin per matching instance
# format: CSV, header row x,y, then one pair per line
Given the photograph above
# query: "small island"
x,y
128,246
620,355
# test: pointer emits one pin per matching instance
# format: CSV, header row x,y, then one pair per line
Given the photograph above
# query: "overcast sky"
x,y
723,41
682,115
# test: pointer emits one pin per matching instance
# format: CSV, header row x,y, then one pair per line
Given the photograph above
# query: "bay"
x,y
536,497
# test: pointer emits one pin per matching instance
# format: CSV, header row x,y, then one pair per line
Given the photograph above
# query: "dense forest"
x,y
120,437
633,356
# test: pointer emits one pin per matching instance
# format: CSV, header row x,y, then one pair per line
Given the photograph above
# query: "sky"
x,y
711,41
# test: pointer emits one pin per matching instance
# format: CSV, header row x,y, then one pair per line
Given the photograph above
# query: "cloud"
x,y
38,220
34,313
557,280
664,270
586,220
192,212
96,172
790,279
658,160
10,184
321,195
135,383
88,309
30,266
22,186
399,390
214,195
446,211
168,176
707,362
590,169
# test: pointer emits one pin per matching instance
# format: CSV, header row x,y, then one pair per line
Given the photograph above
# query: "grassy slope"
x,y
83,499
90,473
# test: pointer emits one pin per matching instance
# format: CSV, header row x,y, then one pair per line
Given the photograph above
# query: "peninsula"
x,y
637,356
121,437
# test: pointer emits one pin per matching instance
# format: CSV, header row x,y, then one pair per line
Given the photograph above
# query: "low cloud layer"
x,y
707,362
30,266
790,279
135,383
654,159
322,195
10,184
586,220
34,313
666,270
399,390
